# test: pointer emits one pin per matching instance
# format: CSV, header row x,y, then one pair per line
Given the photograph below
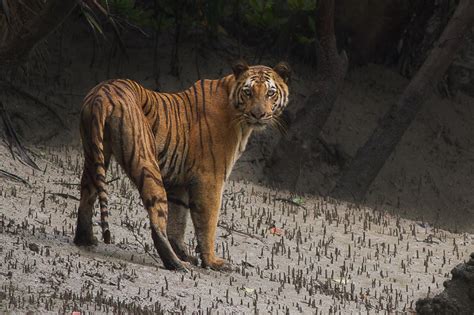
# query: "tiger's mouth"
x,y
257,123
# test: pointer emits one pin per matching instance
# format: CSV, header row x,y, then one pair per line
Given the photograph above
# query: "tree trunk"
x,y
370,158
15,51
290,152
425,28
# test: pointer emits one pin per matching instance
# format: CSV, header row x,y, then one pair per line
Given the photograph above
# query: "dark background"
x,y
167,45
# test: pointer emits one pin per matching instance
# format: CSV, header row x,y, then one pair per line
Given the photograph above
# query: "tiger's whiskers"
x,y
280,125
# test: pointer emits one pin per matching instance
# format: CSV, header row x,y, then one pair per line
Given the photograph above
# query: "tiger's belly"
x,y
193,153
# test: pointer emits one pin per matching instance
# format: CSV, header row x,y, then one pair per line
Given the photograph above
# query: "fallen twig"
x,y
290,201
430,239
231,229
112,180
241,191
66,184
66,196
13,177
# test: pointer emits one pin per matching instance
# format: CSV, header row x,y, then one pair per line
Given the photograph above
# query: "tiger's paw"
x,y
179,266
215,263
182,253
188,259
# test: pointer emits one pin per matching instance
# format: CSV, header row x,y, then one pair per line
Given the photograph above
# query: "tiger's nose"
x,y
257,114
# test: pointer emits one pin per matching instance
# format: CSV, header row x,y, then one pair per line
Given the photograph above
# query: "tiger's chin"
x,y
257,125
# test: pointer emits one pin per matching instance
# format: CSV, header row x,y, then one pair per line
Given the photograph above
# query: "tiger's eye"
x,y
270,93
247,92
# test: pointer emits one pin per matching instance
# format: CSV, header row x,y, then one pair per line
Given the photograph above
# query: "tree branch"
x,y
15,51
370,158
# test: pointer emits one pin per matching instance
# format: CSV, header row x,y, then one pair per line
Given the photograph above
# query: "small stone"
x,y
34,247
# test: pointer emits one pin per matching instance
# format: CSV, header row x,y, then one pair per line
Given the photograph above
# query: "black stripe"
x,y
181,136
184,156
133,152
108,95
152,201
207,125
190,103
165,107
155,119
122,131
219,83
196,100
147,106
121,92
100,189
162,154
193,162
174,156
145,173
177,201
185,111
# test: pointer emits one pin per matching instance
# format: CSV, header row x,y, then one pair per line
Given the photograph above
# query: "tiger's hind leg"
x,y
134,148
178,213
146,176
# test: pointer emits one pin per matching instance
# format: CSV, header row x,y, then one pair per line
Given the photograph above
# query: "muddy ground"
x,y
324,255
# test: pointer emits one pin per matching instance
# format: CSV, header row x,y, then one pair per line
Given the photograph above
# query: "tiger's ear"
x,y
284,71
239,67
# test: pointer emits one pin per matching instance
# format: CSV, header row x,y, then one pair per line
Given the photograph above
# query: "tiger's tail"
x,y
96,155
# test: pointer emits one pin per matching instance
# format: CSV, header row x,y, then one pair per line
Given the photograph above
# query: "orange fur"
x,y
177,148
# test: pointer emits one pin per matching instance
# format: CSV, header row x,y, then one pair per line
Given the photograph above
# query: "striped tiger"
x,y
177,148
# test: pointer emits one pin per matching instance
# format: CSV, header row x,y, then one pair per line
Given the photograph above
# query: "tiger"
x,y
178,149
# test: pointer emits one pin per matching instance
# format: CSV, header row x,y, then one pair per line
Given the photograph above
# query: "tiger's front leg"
x,y
205,202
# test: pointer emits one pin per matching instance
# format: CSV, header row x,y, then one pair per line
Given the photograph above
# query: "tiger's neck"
x,y
239,132
204,110
242,131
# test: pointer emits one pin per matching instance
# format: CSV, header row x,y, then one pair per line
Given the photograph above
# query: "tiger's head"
x,y
260,93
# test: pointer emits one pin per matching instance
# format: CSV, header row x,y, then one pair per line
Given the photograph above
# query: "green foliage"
x,y
262,14
302,5
212,13
128,10
292,20
289,22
